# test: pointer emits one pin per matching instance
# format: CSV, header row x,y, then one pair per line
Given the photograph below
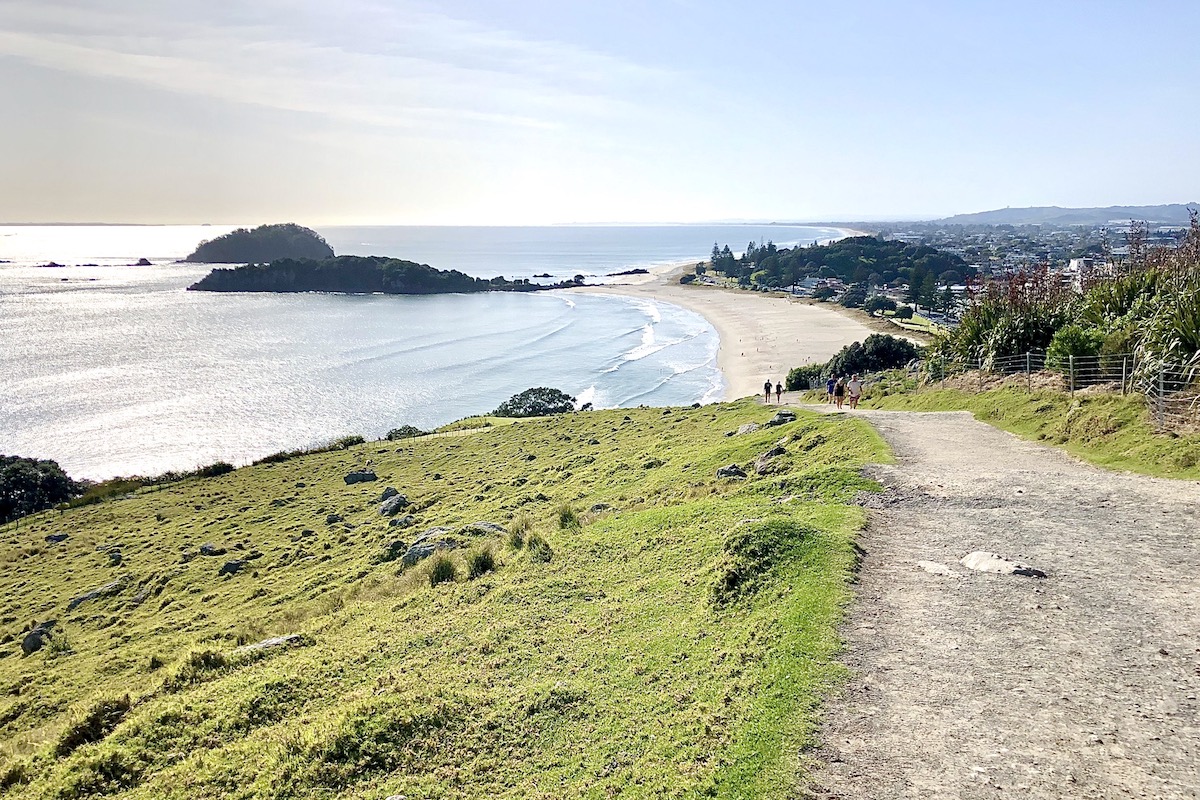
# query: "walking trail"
x,y
1081,684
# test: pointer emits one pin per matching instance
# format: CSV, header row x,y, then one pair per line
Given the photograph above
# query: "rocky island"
x,y
264,243
359,275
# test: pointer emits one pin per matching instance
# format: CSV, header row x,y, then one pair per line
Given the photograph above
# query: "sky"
x,y
554,111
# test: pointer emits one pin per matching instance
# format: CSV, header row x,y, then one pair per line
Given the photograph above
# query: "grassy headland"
x,y
644,628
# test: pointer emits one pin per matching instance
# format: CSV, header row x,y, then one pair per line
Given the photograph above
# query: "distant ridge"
x,y
1173,214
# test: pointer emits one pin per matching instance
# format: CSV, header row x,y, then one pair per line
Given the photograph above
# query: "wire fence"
x,y
1171,391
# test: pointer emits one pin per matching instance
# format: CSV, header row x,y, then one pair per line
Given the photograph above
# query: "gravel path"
x,y
1081,684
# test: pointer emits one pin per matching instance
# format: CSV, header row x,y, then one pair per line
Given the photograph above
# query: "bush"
x,y
854,297
442,570
800,379
213,470
518,529
904,312
823,293
346,441
197,667
28,485
879,303
536,402
567,518
877,352
1073,341
96,723
539,549
687,278
481,563
404,432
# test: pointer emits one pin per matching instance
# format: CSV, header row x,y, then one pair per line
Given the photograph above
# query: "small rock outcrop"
x,y
731,471
207,549
427,544
764,464
107,590
983,561
55,538
393,505
390,491
482,529
402,522
274,643
232,567
36,638
360,476
749,427
782,417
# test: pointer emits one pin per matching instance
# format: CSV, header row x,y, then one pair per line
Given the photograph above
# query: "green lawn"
x,y
676,644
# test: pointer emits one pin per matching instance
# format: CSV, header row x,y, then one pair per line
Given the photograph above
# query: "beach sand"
x,y
762,336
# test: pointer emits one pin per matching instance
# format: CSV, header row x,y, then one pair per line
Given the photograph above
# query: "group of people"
x,y
838,389
767,392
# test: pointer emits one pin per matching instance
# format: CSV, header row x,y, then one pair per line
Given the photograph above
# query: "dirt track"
x,y
1083,684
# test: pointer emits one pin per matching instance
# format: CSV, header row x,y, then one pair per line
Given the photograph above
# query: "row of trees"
x,y
866,260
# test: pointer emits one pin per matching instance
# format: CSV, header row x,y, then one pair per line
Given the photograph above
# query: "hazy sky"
x,y
485,111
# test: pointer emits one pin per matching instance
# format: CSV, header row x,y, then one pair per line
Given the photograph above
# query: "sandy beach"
x,y
762,336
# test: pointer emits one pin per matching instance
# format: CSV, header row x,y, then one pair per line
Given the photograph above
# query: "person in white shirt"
x,y
854,391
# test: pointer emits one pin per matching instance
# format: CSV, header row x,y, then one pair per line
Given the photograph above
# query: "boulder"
x,y
393,505
107,590
982,561
599,507
232,567
211,550
333,519
402,522
275,642
115,558
427,544
390,491
749,427
142,262
782,417
360,476
731,471
36,639
482,529
764,464
55,538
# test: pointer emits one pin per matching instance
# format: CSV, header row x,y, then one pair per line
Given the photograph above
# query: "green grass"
x,y
1109,430
596,657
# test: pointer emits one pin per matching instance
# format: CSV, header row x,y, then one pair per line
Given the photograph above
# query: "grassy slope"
x,y
1110,430
608,670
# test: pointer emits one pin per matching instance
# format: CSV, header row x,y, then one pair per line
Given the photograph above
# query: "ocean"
x,y
113,369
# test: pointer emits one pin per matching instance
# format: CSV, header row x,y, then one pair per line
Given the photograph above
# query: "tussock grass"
x,y
591,661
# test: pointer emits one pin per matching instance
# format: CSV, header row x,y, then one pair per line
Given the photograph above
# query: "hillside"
x,y
358,274
648,629
1173,214
264,243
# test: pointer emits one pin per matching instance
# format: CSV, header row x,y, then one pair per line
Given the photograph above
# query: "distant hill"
x,y
264,243
1173,214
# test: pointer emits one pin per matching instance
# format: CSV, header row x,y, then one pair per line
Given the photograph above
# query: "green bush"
x,y
28,485
213,470
481,563
1073,341
800,379
93,725
904,312
536,402
442,570
404,432
567,518
539,549
879,303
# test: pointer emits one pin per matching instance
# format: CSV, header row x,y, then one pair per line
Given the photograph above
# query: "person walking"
x,y
829,384
778,392
839,393
767,391
854,390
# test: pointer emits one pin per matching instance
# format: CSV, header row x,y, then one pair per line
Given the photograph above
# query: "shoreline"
x,y
761,336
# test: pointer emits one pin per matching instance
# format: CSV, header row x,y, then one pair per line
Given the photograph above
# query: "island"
x,y
262,244
360,275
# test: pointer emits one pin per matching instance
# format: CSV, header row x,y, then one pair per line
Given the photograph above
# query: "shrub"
x,y
518,529
346,441
539,549
567,518
481,563
879,303
1073,341
536,402
442,570
823,293
687,278
28,485
213,470
904,312
404,432
196,667
95,723
855,296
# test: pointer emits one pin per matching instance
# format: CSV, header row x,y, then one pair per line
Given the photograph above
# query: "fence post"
x,y
1124,372
1071,371
1028,374
1161,410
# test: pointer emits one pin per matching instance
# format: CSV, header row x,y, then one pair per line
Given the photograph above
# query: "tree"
x,y
947,299
28,486
855,296
904,312
536,402
928,291
879,303
823,293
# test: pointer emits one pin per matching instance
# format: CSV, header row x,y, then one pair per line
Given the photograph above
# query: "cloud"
x,y
395,66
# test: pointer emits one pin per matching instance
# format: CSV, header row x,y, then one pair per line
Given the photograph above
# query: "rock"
x,y
36,638
361,476
394,550
142,262
764,463
333,519
393,505
482,529
982,561
209,550
402,522
232,567
427,544
107,590
290,640
599,507
749,427
593,441
782,417
935,568
55,538
253,554
114,558
390,491
731,471
142,596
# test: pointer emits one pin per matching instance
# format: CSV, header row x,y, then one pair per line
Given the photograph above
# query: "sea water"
x,y
118,370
